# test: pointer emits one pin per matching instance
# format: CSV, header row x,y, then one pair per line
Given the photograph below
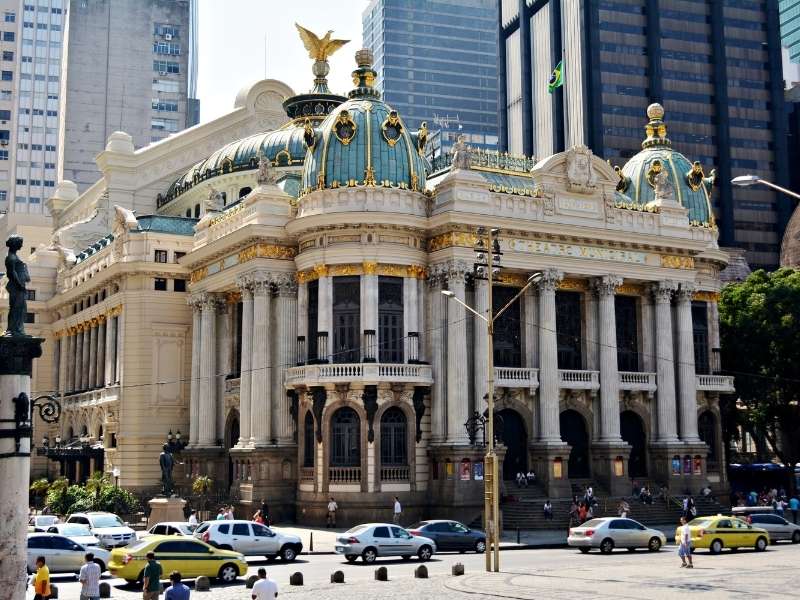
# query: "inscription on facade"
x,y
576,251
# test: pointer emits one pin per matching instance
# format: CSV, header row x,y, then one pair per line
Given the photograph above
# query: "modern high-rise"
x,y
437,62
790,27
8,70
130,65
714,65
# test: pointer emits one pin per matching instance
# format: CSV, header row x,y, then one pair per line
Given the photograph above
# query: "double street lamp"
x,y
487,267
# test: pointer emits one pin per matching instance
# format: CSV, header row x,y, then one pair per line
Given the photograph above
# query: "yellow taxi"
x,y
718,532
190,556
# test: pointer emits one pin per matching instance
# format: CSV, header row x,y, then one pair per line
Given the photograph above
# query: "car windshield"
x,y
107,521
356,529
699,523
418,525
136,546
594,523
46,520
74,529
202,527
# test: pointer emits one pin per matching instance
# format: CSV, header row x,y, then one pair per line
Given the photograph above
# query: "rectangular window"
x,y
346,320
568,326
161,256
5,115
30,295
3,154
9,17
313,320
390,320
8,76
164,67
178,255
161,105
627,337
179,285
3,195
30,318
8,36
507,329
8,55
160,284
700,335
170,125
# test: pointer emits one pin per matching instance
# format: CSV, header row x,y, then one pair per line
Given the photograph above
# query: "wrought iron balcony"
x,y
715,383
365,373
513,377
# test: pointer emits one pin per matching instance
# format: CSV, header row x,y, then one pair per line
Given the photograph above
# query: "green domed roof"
x,y
364,142
692,188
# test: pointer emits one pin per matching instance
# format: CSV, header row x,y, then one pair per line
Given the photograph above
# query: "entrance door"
x,y
632,431
231,439
511,427
573,432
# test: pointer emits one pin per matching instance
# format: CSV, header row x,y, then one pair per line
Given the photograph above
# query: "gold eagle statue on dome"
x,y
319,48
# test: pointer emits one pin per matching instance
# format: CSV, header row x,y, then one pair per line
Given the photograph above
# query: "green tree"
x,y
759,334
39,489
202,486
95,485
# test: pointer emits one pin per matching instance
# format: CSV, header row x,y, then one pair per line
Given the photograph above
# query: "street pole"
x,y
490,485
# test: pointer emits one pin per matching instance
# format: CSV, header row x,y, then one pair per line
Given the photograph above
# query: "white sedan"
x,y
77,533
372,540
169,528
608,533
61,554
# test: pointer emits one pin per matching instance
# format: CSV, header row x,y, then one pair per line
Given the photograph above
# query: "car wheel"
x,y
100,564
715,547
369,555
654,545
288,553
425,553
228,573
584,550
406,557
761,544
480,546
607,546
351,558
796,537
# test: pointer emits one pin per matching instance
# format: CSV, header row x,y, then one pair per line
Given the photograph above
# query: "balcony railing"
x,y
306,473
344,475
392,474
637,382
715,383
512,377
574,379
366,373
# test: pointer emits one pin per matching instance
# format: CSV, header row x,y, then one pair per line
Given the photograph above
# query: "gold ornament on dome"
x,y
696,176
308,134
422,138
319,48
345,128
391,128
369,176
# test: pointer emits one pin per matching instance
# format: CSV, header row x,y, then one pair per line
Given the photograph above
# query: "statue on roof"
x,y
581,176
422,138
18,278
266,174
460,154
214,201
658,177
320,49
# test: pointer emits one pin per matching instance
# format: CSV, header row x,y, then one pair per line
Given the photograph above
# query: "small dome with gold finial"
x,y
692,188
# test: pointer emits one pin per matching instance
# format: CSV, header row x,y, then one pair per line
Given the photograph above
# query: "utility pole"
x,y
487,266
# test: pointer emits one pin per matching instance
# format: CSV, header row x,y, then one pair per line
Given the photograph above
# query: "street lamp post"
x,y
487,267
748,180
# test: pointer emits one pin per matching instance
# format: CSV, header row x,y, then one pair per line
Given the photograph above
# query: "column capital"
x,y
457,271
606,285
550,280
245,283
261,283
437,275
663,290
286,284
686,291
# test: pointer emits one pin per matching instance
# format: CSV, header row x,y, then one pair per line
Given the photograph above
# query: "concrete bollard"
x,y
458,569
251,581
53,591
381,574
311,544
202,584
421,572
337,577
105,589
296,578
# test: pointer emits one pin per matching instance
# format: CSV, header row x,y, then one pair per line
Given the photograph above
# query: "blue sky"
x,y
231,46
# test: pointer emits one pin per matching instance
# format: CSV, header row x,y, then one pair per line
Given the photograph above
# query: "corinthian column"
x,y
609,372
481,344
194,398
70,383
687,384
458,403
99,374
284,340
437,311
92,370
665,369
245,369
86,357
549,430
208,370
260,409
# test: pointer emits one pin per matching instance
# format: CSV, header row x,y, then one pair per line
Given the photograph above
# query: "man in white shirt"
x,y
265,588
685,544
193,518
332,507
89,578
398,510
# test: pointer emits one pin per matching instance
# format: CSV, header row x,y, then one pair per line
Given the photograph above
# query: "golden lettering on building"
x,y
630,289
575,285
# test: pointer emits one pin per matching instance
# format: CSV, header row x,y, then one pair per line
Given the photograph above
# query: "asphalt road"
x,y
526,574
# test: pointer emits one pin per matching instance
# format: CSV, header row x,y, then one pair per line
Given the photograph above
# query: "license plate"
x,y
340,548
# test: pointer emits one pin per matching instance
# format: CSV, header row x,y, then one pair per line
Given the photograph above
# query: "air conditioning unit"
x,y
168,36
3,142
163,73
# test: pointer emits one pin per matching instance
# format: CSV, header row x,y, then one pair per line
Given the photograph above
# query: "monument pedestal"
x,y
166,509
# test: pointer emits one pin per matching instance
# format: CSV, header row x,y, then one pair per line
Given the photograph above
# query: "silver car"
x,y
77,533
61,554
371,540
777,527
611,532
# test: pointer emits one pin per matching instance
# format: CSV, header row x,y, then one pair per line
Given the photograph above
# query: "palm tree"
x,y
95,485
202,486
39,489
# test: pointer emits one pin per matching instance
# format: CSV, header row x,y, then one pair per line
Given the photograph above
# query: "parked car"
x,y
40,523
450,535
61,554
169,528
718,532
250,539
106,527
608,533
777,527
77,533
193,558
371,540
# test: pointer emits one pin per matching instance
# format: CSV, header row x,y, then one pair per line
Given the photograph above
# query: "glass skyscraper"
x,y
790,27
437,62
715,65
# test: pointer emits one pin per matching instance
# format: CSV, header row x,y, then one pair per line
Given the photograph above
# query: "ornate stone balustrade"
x,y
307,474
637,382
574,379
394,474
344,474
366,373
512,377
715,383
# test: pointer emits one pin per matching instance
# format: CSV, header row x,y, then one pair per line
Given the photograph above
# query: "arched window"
x,y
188,212
345,438
308,440
196,211
394,451
244,191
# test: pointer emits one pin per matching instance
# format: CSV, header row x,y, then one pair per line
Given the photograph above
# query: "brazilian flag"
x,y
556,78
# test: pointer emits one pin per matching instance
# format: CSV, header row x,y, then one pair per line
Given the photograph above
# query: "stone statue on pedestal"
x,y
166,461
18,277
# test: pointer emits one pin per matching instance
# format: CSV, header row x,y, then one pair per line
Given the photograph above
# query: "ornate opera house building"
x,y
269,283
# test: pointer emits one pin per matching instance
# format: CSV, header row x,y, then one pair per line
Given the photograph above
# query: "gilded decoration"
x,y
573,285
247,254
705,296
345,128
198,275
630,289
671,261
513,279
450,239
365,268
233,297
228,214
89,323
370,268
391,128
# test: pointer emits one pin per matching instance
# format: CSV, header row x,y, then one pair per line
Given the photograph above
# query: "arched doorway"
x,y
232,433
510,428
707,430
633,433
573,432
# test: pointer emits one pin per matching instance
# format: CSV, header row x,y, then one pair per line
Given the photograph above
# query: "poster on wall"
x,y
676,465
698,465
451,470
687,465
477,471
465,469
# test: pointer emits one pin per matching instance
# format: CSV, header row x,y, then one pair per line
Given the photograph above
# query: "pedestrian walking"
x,y
152,578
794,507
41,583
685,546
264,588
89,578
398,510
548,510
622,509
229,513
221,514
265,513
193,518
332,508
257,518
176,591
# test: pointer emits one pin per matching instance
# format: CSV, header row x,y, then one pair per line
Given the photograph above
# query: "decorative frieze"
x,y
88,323
671,261
260,250
705,296
365,268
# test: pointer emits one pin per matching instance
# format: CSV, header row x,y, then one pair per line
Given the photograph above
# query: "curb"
x,y
549,546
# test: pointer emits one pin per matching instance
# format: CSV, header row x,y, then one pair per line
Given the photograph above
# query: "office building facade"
x,y
716,67
8,66
790,27
437,62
